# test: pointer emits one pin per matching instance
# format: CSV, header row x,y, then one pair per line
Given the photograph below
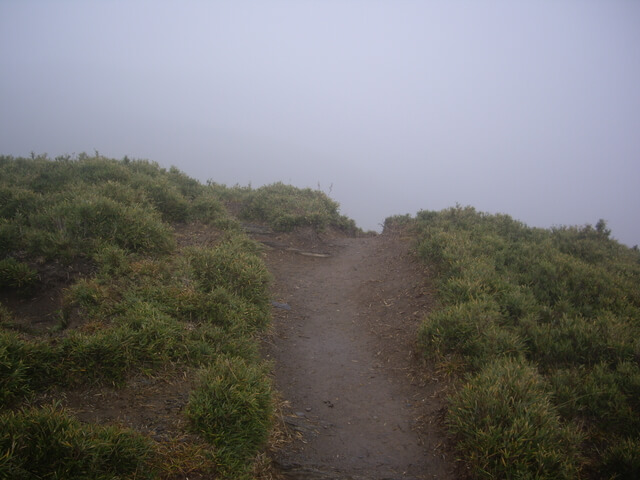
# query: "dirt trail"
x,y
344,363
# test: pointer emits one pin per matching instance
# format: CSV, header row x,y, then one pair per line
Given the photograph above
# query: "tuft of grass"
x,y
231,407
16,275
469,331
609,397
622,459
232,266
48,443
505,423
14,371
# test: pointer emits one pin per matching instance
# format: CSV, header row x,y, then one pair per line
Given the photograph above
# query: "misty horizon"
x,y
530,109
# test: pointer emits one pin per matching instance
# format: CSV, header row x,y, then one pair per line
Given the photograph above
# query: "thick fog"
x,y
530,108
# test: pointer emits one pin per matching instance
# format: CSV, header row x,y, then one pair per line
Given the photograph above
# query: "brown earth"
x,y
360,401
38,310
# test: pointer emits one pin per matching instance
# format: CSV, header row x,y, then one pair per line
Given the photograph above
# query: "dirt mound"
x,y
343,344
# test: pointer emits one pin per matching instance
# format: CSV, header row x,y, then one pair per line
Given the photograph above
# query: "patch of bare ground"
x,y
359,401
152,405
38,310
196,234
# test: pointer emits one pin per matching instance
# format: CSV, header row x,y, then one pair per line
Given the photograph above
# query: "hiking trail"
x,y
357,400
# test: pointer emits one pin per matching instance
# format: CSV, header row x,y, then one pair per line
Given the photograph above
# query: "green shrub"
x,y
230,266
189,187
507,427
48,443
144,306
143,339
606,397
94,217
231,407
517,302
208,342
448,251
164,196
10,235
476,279
208,208
17,201
14,381
217,306
285,207
469,330
74,204
398,222
123,193
6,317
15,274
621,460
567,341
112,260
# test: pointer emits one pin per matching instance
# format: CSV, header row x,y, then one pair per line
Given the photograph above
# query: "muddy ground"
x,y
358,398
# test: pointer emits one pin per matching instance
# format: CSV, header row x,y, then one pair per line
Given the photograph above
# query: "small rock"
x,y
283,306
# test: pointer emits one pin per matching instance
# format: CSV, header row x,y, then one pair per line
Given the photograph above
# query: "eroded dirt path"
x,y
344,363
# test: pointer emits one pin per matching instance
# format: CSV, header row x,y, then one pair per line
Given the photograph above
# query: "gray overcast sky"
x,y
530,108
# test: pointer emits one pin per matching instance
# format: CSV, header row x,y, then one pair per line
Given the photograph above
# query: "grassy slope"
x,y
542,329
142,304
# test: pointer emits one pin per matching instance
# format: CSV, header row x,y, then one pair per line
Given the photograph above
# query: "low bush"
x,y
137,303
231,266
16,275
17,201
164,196
231,406
609,397
470,332
285,207
14,371
621,459
504,422
567,341
88,218
48,443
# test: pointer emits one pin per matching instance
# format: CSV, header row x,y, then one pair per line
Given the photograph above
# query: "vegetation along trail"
x,y
343,346
133,310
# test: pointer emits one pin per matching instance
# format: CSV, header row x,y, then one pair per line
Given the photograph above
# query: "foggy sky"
x,y
530,108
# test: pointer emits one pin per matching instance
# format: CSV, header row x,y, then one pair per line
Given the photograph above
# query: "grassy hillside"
x,y
542,330
100,284
120,278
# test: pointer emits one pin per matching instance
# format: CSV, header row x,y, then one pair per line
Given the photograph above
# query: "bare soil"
x,y
360,401
38,310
